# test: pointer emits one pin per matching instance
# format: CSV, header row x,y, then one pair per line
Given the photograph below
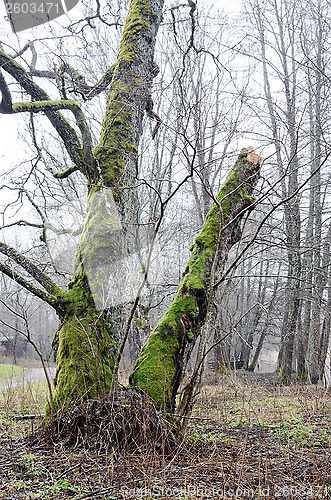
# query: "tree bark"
x,y
86,351
292,206
163,358
313,359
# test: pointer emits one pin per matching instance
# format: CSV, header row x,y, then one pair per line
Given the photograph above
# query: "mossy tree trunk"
x,y
84,342
86,351
163,358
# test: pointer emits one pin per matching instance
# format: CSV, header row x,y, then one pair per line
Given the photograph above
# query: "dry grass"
x,y
247,438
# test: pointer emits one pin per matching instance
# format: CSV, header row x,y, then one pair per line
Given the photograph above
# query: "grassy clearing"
x,y
298,415
9,370
247,438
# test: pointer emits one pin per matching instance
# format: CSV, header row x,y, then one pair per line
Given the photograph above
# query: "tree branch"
x,y
49,299
52,75
80,155
6,101
22,223
63,175
43,279
37,106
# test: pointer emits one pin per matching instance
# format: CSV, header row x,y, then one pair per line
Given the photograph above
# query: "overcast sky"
x,y
12,149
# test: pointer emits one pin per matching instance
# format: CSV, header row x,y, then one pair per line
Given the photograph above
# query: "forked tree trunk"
x,y
162,360
84,341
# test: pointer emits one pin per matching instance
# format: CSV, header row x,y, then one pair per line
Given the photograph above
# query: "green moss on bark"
x,y
118,140
115,143
18,107
136,21
160,363
84,343
84,346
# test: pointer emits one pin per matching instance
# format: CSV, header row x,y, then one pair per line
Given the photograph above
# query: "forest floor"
x,y
247,438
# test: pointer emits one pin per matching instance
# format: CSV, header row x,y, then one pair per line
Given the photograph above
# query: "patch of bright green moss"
x,y
84,361
136,20
116,142
18,107
84,346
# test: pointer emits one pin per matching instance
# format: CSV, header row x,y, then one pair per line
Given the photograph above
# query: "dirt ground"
x,y
247,438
